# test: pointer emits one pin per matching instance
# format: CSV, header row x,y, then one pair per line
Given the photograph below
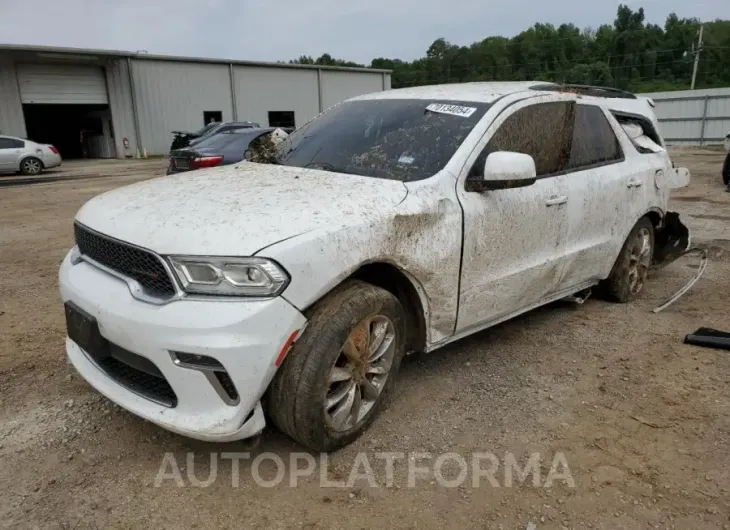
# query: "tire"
x,y
315,372
629,273
31,166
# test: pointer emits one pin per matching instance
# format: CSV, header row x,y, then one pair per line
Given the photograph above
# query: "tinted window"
x,y
541,131
396,139
11,143
594,141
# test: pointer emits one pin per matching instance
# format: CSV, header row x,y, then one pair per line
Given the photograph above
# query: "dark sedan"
x,y
218,150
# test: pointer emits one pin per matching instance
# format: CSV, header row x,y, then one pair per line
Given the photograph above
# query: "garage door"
x,y
70,84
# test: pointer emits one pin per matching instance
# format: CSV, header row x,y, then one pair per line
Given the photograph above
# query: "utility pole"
x,y
697,57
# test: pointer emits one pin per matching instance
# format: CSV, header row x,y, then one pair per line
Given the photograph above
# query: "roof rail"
x,y
586,90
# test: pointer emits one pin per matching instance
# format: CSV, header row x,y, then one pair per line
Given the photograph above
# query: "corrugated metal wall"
x,y
120,104
12,121
172,96
263,89
693,117
339,86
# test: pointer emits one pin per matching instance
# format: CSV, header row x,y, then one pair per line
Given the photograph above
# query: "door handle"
x,y
556,199
634,183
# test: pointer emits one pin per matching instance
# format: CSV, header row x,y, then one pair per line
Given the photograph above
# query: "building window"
x,y
281,118
210,116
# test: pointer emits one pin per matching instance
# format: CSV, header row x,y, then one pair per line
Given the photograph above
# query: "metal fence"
x,y
693,117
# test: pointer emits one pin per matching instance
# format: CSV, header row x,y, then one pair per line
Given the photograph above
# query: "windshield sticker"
x,y
405,159
454,110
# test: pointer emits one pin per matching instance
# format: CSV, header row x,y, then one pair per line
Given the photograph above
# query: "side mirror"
x,y
505,170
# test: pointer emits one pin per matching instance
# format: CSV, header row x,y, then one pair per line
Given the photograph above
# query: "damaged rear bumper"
x,y
671,240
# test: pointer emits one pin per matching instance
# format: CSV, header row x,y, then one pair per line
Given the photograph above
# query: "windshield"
x,y
398,139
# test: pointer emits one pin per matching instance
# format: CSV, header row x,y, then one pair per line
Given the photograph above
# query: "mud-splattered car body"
x,y
459,256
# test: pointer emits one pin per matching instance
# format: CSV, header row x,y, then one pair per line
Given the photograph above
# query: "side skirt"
x,y
479,327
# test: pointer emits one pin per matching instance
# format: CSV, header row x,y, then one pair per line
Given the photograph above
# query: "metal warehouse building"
x,y
99,98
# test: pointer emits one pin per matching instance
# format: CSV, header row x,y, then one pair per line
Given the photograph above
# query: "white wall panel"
x,y
12,121
263,89
120,104
172,96
338,86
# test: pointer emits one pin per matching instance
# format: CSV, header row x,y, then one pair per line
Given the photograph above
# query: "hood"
x,y
238,210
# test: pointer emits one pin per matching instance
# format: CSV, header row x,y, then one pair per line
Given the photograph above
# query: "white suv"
x,y
394,222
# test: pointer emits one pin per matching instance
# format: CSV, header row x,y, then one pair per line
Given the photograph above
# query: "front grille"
x,y
153,387
130,261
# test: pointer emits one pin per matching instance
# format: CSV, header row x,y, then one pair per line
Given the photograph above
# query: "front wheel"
x,y
339,373
629,273
31,166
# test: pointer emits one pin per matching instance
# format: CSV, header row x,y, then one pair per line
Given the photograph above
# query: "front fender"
x,y
422,239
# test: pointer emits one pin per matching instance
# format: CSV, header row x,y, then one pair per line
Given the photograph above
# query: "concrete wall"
x,y
171,96
693,117
12,121
263,89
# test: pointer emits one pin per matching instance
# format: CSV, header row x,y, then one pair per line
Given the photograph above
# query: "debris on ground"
x,y
709,338
689,284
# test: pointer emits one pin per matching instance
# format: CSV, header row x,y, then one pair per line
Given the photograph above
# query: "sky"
x,y
271,30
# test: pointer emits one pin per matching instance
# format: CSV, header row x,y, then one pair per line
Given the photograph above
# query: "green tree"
x,y
628,53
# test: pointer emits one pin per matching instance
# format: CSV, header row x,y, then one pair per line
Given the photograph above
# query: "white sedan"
x,y
26,157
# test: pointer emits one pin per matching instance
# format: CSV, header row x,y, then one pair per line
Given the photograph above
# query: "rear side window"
x,y
11,143
541,131
594,141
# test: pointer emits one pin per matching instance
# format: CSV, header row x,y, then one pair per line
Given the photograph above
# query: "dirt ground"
x,y
642,420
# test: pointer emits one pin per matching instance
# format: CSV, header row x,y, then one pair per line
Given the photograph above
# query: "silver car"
x,y
30,158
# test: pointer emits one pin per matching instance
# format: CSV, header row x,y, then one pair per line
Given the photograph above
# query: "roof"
x,y
479,92
485,92
50,51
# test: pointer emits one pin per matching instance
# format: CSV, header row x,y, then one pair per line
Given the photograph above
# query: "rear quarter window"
x,y
642,121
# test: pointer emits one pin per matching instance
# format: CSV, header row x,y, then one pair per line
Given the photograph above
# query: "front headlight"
x,y
229,276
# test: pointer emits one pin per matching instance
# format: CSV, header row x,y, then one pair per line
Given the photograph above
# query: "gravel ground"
x,y
641,420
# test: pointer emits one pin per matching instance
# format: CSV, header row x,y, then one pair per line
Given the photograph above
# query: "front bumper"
x,y
246,337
